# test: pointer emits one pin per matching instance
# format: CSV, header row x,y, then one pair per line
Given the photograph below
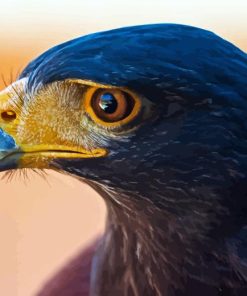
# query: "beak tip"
x,y
6,142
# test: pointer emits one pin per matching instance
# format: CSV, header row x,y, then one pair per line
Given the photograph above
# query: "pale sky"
x,y
19,19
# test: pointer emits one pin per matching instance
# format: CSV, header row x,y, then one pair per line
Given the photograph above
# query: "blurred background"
x,y
43,223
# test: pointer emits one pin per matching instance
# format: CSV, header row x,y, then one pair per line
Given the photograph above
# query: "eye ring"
x,y
111,107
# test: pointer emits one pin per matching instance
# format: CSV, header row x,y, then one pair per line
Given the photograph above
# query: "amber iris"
x,y
112,105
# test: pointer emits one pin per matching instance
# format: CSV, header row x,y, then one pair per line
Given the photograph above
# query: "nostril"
x,y
8,115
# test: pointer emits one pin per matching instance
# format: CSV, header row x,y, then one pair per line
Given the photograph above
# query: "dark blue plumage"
x,y
160,56
176,189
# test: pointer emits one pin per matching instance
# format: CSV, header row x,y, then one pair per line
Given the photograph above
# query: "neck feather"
x,y
148,251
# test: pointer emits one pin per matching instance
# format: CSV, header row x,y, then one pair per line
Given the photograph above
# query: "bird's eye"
x,y
108,103
111,106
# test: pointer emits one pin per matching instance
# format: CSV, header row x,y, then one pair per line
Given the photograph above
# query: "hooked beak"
x,y
9,152
31,137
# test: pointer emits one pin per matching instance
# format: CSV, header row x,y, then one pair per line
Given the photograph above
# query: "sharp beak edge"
x,y
8,147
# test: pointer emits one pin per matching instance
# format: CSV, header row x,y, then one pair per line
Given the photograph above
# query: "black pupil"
x,y
108,103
